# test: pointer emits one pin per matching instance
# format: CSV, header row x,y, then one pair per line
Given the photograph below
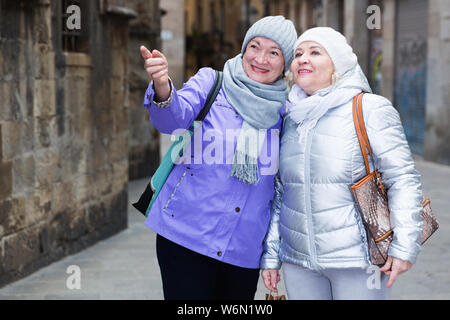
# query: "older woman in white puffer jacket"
x,y
316,230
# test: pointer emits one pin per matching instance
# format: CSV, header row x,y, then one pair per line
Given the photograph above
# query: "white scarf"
x,y
306,110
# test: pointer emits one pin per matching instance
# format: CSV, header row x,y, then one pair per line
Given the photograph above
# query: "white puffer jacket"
x,y
315,222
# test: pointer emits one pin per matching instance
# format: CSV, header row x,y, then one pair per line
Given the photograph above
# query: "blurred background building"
x,y
73,131
402,46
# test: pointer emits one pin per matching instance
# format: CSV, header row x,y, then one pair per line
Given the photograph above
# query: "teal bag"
x,y
146,200
171,157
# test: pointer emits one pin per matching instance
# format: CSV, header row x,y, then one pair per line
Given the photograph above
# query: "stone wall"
x,y
64,133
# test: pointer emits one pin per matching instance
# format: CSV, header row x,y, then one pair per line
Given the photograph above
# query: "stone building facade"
x,y
70,107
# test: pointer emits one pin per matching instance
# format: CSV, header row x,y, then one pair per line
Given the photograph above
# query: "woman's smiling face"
x,y
312,67
263,60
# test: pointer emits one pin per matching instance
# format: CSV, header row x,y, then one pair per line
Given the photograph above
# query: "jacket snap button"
x,y
219,253
237,209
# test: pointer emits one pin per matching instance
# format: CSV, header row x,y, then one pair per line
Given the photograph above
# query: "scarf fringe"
x,y
245,168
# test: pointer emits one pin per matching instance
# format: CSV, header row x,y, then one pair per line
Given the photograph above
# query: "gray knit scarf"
x,y
259,105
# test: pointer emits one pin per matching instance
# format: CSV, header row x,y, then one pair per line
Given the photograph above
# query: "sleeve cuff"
x,y
268,263
399,254
164,104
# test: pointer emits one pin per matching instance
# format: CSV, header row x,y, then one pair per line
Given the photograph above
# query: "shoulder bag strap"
x,y
363,139
211,96
361,130
356,105
363,126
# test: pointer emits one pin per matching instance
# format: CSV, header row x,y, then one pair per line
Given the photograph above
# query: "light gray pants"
x,y
335,284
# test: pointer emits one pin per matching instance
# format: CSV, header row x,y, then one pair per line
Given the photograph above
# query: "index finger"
x,y
146,54
392,278
267,281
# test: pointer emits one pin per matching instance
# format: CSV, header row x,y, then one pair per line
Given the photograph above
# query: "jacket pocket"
x,y
175,189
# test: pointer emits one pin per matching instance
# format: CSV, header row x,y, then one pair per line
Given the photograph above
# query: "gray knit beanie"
x,y
278,29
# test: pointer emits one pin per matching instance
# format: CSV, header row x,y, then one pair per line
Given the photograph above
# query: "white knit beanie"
x,y
336,45
278,29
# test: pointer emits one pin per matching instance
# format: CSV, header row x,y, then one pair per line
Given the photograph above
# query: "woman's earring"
x,y
334,77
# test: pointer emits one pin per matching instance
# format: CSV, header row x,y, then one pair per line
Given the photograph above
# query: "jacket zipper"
x,y
308,198
175,189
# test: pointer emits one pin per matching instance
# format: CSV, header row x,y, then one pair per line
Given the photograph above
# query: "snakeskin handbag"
x,y
371,199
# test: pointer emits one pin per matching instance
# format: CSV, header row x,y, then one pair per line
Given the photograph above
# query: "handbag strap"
x,y
358,120
211,96
363,139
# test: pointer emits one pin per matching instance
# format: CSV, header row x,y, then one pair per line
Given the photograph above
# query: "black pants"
x,y
187,275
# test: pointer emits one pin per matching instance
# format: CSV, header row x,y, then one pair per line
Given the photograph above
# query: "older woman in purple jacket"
x,y
214,209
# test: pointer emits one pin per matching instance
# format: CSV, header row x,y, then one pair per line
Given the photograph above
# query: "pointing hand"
x,y
157,69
